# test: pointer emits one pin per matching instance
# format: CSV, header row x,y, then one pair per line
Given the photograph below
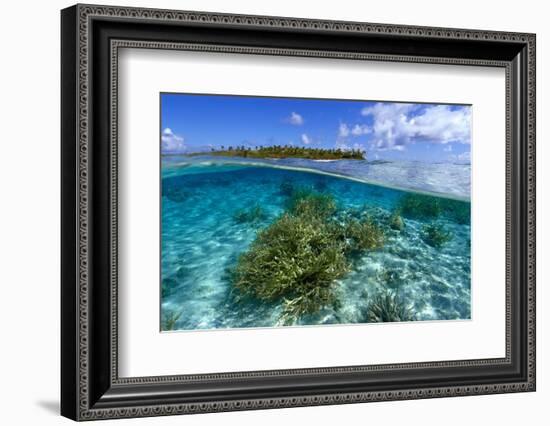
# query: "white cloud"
x,y
360,129
343,130
170,142
448,148
395,125
306,140
295,119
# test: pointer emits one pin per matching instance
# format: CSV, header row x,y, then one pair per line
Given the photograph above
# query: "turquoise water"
x,y
202,239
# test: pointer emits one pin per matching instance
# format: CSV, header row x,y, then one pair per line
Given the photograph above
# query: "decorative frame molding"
x,y
91,37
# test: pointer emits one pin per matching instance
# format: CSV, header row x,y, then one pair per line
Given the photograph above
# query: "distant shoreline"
x,y
216,154
286,151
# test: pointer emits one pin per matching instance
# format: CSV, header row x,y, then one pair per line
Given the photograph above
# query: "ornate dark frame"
x,y
91,37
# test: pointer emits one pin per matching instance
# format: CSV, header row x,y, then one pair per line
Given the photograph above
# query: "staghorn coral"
x,y
395,221
456,210
420,206
360,235
305,202
387,307
435,235
296,258
169,320
299,257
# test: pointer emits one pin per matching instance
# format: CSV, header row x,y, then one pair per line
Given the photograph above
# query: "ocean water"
x,y
445,179
202,239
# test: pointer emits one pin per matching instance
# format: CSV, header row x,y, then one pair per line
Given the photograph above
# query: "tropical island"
x,y
286,151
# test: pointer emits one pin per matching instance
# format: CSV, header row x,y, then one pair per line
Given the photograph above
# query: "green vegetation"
x,y
169,320
435,235
360,235
456,210
306,203
251,215
297,259
288,151
395,221
419,206
387,307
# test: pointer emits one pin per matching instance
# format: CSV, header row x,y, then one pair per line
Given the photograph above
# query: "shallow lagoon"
x,y
203,237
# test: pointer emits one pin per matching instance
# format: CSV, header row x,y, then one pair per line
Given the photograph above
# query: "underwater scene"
x,y
275,235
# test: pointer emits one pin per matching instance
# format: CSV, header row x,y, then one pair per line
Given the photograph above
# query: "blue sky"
x,y
385,130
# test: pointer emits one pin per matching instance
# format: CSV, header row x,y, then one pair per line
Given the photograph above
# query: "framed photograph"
x,y
263,212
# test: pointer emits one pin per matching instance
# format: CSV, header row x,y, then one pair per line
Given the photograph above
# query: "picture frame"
x,y
91,37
